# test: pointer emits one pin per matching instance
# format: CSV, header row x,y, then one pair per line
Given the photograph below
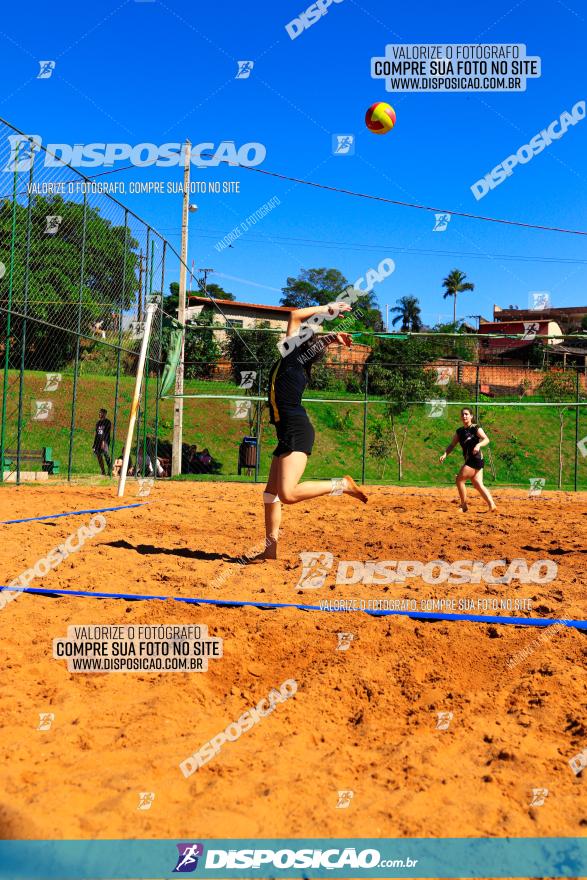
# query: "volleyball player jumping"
x,y
471,439
295,434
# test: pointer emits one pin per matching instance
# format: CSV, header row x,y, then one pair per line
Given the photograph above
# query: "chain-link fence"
x,y
77,270
389,422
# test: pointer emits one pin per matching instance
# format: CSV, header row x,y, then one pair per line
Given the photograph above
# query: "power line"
x,y
385,200
402,204
343,245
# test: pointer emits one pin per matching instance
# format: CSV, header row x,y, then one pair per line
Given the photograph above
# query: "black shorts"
x,y
475,461
295,434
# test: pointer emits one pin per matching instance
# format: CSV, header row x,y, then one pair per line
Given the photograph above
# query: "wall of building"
x,y
249,318
499,377
569,318
356,356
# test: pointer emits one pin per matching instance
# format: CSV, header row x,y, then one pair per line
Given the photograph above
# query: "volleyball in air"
x,y
380,117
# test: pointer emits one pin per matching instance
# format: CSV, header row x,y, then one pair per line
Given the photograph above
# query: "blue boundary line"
x,y
239,603
8,522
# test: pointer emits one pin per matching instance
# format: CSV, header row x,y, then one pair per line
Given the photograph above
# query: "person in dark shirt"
x,y
471,438
101,445
295,433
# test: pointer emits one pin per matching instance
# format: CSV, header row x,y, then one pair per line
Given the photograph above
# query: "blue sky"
x,y
162,71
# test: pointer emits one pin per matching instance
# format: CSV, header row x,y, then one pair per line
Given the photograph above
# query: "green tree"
x,y
402,386
313,287
406,353
462,344
252,351
55,300
408,312
380,444
218,292
322,286
558,386
171,301
455,283
201,350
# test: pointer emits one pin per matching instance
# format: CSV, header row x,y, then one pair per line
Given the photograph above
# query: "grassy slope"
x,y
524,439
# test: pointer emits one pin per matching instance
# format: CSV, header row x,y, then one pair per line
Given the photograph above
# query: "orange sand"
x,y
363,719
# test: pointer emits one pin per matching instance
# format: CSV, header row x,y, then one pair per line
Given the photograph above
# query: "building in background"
x,y
569,319
248,316
239,314
524,334
550,321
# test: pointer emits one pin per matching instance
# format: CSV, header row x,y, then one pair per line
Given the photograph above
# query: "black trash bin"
x,y
247,454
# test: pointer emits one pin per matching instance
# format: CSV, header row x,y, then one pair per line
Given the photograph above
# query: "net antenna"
x,y
151,309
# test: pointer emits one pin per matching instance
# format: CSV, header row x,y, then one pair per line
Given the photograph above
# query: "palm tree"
x,y
408,312
455,283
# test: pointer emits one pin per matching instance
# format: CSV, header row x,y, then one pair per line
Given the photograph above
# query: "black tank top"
x,y
468,438
289,376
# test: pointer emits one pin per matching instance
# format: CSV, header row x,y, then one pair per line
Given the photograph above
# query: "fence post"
x,y
8,321
577,396
159,356
119,353
477,394
79,330
24,322
148,285
138,448
365,403
135,402
145,425
258,457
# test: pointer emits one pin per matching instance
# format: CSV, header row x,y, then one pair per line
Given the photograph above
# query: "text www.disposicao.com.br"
x,y
135,664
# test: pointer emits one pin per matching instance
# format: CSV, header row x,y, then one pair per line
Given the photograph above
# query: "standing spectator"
x,y
102,442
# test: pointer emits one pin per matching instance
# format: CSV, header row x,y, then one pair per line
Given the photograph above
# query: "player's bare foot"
x,y
463,508
351,488
269,554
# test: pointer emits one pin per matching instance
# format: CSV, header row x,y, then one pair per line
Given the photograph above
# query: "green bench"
x,y
31,456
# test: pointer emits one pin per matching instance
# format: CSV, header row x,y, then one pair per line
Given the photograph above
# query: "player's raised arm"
x,y
298,316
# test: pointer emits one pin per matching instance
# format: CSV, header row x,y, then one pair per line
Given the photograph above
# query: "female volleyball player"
x,y
471,438
295,435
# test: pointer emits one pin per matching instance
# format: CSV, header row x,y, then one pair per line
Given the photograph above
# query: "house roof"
x,y
501,314
568,349
202,300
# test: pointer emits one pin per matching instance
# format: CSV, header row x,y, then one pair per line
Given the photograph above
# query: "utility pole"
x,y
178,403
203,282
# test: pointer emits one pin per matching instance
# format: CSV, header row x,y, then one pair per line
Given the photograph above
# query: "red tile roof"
x,y
230,302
